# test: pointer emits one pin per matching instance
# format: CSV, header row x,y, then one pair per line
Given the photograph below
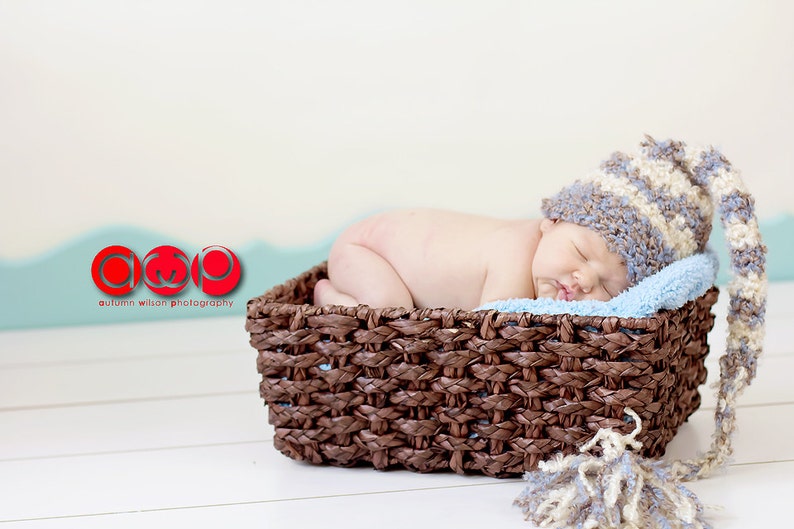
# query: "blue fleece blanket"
x,y
669,288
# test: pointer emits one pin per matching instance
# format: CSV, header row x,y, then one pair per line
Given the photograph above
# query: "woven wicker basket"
x,y
484,392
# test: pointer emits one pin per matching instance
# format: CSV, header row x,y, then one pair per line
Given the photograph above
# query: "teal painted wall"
x,y
56,288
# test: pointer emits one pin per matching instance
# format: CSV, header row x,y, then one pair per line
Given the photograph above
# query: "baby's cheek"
x,y
546,290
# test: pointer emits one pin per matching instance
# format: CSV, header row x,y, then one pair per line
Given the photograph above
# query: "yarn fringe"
x,y
618,489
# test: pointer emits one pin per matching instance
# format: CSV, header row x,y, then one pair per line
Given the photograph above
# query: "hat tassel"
x,y
619,489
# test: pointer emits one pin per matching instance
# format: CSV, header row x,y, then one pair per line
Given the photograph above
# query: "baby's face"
x,y
573,263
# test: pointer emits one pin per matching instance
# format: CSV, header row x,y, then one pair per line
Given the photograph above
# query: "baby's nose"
x,y
585,280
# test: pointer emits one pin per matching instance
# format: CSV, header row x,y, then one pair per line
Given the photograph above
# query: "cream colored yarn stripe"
x,y
676,233
663,174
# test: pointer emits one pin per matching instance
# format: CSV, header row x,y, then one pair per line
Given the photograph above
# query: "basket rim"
x,y
265,304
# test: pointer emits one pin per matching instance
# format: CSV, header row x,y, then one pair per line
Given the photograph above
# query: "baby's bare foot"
x,y
326,294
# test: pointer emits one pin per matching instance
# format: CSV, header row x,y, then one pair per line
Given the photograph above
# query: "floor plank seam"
x,y
134,450
112,360
261,502
111,402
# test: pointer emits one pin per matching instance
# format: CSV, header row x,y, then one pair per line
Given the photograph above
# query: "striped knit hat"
x,y
653,208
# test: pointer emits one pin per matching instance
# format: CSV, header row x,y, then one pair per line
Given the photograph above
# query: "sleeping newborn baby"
x,y
431,258
598,237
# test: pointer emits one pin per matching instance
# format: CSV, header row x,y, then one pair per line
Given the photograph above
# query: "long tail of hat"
x,y
619,488
747,298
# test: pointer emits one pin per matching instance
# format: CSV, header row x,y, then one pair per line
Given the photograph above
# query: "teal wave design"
x,y
55,288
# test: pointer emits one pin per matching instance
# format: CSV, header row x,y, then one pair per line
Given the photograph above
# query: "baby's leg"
x,y
359,275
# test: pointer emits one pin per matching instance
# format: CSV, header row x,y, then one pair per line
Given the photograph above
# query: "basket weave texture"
x,y
470,391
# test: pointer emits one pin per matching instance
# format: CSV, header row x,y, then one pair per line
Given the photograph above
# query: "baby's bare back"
x,y
450,259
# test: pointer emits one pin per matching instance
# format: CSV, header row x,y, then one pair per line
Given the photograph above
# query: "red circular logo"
x,y
166,270
215,270
116,270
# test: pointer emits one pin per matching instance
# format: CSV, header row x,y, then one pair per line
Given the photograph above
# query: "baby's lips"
x,y
564,293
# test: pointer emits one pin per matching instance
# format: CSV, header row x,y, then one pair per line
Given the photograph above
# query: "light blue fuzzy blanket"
x,y
669,288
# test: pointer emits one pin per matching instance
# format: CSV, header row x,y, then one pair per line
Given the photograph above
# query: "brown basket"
x,y
485,391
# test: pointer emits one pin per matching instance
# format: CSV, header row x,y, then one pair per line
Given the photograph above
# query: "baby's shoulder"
x,y
514,242
508,261
524,231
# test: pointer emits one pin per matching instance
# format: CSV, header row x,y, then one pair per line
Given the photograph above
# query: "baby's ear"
x,y
546,224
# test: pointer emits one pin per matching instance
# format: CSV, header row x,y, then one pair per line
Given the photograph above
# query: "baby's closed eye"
x,y
582,255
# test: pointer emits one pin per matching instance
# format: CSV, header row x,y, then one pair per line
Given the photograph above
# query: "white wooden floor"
x,y
161,425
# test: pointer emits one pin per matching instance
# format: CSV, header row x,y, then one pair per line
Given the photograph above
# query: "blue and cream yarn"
x,y
649,208
654,208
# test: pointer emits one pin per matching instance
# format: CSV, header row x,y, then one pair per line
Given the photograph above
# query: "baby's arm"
x,y
509,262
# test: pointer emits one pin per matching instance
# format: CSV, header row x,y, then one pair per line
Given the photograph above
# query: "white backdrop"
x,y
222,122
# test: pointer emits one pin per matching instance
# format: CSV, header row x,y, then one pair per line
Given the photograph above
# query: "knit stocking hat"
x,y
654,208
